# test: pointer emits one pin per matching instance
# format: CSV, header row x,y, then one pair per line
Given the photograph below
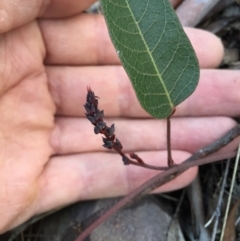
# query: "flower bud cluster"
x,y
95,116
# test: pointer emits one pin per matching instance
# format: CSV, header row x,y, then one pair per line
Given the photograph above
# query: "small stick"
x,y
233,180
217,212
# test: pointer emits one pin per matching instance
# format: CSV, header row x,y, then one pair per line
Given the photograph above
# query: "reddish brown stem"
x,y
169,149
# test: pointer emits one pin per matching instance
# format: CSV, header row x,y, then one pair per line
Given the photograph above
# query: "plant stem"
x,y
169,149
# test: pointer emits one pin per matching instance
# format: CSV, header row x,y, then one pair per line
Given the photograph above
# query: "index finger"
x,y
84,40
12,15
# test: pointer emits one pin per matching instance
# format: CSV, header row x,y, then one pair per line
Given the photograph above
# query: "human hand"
x,y
49,154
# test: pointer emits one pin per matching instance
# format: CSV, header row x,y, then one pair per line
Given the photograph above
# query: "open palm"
x,y
49,155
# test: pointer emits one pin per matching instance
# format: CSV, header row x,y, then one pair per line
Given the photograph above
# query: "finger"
x,y
75,135
90,176
217,92
15,13
64,8
84,39
209,53
12,16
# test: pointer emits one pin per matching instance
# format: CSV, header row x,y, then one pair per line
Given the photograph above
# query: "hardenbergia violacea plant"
x,y
163,69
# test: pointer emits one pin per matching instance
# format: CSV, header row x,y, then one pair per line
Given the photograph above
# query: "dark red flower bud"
x,y
107,143
93,108
96,130
102,123
100,127
125,160
91,119
112,129
101,114
87,108
118,144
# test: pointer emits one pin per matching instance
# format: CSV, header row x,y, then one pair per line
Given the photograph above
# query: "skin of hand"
x,y
50,157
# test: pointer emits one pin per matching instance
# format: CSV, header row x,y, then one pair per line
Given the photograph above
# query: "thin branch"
x,y
217,145
196,202
217,212
230,193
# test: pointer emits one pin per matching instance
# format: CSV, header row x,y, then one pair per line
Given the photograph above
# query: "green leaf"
x,y
154,51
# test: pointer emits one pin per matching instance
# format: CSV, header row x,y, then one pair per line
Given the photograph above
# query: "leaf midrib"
x,y
151,57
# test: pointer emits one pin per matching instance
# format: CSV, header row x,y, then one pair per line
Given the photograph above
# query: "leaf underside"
x,y
155,52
